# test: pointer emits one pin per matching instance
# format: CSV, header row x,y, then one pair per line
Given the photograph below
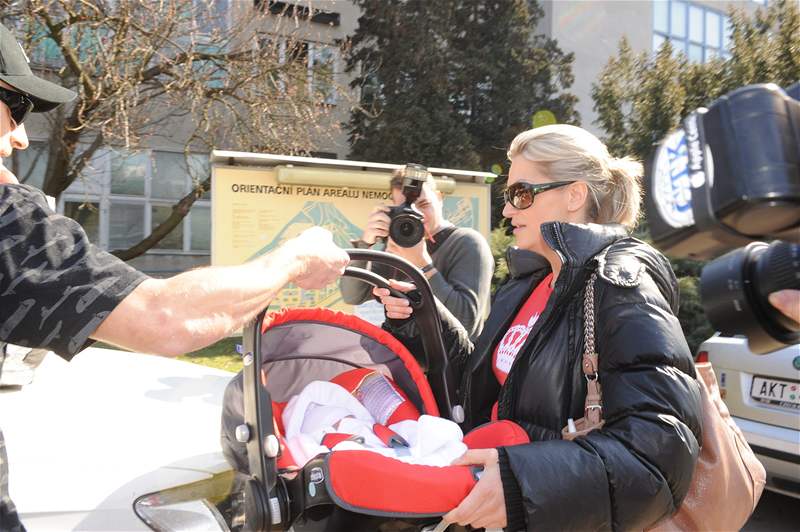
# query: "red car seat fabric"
x,y
302,345
372,484
377,485
503,433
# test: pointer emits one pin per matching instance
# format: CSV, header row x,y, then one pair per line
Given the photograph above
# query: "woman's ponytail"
x,y
625,192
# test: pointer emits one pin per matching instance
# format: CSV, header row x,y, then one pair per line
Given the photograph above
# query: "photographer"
x,y
457,261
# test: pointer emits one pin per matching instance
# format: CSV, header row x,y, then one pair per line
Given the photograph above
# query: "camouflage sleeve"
x,y
55,286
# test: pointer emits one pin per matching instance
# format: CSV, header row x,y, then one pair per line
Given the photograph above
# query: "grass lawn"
x,y
221,355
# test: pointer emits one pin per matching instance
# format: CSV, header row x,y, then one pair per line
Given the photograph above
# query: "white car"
x,y
114,440
763,395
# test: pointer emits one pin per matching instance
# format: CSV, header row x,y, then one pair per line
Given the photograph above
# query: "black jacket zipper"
x,y
574,285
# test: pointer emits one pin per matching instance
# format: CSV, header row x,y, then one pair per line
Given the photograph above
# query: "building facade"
x,y
592,30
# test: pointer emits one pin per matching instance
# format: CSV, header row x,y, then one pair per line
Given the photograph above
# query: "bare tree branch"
x,y
179,212
170,70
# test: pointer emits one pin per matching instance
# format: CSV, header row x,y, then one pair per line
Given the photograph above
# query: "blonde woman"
x,y
571,205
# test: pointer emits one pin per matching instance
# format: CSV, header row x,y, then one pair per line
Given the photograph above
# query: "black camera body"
x,y
406,227
729,178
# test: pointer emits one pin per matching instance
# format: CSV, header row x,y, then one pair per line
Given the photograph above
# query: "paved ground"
x,y
775,513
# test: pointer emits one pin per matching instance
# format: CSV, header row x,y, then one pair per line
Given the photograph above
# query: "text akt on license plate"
x,y
776,392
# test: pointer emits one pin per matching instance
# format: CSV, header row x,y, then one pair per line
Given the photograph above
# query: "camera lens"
x,y
406,228
735,289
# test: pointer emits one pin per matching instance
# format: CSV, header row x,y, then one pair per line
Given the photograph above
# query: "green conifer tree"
x,y
449,83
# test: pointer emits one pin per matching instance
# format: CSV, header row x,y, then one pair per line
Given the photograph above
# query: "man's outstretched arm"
x,y
196,308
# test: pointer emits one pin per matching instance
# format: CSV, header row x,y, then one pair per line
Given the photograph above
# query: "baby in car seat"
x,y
363,410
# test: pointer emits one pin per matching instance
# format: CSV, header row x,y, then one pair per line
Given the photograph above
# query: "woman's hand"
x,y
397,308
485,506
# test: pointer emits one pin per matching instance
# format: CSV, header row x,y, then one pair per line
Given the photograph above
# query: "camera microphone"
x,y
726,181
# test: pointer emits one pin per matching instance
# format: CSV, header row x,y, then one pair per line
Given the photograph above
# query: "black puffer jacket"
x,y
638,467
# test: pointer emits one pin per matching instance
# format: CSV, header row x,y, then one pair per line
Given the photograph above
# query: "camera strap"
x,y
438,239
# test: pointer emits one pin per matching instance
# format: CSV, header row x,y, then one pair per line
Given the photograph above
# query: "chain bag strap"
x,y
593,409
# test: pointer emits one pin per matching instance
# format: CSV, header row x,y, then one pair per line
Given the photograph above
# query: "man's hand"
x,y
788,302
377,225
417,255
485,506
313,259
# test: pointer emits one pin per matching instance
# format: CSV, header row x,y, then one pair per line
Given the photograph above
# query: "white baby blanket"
x,y
324,407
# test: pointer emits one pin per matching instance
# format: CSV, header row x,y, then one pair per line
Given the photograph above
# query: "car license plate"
x,y
776,392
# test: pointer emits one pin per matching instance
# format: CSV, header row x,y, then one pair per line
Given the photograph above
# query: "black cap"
x,y
15,71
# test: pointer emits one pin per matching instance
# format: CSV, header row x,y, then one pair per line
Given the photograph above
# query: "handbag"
x,y
726,470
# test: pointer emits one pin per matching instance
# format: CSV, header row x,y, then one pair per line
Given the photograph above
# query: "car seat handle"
x,y
426,315
375,280
266,501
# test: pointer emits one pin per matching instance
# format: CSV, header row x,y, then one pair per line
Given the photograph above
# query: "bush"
x,y
499,242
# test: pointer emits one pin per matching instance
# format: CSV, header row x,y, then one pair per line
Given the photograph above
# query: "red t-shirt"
x,y
506,351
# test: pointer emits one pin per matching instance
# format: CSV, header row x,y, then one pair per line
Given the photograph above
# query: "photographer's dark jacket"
x,y
638,467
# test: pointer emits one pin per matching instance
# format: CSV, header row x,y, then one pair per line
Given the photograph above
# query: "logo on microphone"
x,y
672,186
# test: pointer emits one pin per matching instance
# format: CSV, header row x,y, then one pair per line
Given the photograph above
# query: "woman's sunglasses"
x,y
521,195
19,104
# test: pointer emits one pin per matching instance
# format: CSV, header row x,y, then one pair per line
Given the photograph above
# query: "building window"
x,y
210,17
125,224
169,176
127,194
322,68
173,240
87,214
695,30
290,9
128,173
29,165
321,63
200,224
199,171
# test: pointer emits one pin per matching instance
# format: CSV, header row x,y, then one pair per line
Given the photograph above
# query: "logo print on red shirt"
x,y
511,343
